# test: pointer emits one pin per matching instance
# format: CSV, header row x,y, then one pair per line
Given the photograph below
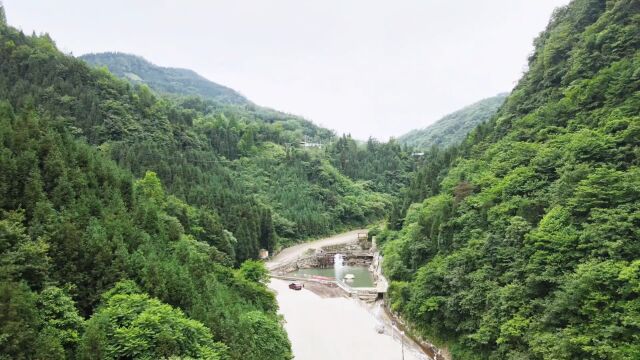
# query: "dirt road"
x,y
291,253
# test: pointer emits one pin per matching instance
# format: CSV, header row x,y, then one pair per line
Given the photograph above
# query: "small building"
x,y
310,144
263,254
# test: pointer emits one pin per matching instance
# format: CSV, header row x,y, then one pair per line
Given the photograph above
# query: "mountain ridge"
x,y
452,128
172,80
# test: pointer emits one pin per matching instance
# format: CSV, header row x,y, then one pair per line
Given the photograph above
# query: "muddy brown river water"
x,y
337,328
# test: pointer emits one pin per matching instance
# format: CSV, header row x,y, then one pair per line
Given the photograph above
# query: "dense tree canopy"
x,y
239,165
526,246
131,325
385,167
103,180
82,210
131,211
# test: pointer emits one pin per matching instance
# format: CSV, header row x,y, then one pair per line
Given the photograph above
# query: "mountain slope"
x,y
453,128
381,167
120,209
305,193
163,79
527,246
91,258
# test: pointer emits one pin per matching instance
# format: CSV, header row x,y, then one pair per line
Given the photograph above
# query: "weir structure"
x,y
353,253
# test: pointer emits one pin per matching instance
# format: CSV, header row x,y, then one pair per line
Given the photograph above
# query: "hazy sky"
x,y
366,67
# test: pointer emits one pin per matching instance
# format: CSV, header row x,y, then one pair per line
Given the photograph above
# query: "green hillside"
x,y
84,244
163,79
308,189
134,200
127,218
453,128
526,246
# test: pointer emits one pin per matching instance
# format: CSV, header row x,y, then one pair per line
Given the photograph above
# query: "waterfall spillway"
x,y
338,260
338,263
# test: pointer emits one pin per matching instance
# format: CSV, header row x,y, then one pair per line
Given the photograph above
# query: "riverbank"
x,y
434,352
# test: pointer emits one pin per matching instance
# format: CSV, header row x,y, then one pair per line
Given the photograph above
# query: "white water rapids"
x,y
338,264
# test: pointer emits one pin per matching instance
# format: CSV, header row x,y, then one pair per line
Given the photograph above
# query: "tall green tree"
x,y
521,242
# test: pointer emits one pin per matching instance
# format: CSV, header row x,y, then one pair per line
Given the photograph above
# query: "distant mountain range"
x,y
164,79
453,128
449,130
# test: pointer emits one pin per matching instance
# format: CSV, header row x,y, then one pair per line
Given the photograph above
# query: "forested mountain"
x,y
527,245
83,244
385,167
163,79
126,217
130,211
308,192
453,128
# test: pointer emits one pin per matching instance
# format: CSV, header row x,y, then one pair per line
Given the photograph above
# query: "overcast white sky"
x,y
365,67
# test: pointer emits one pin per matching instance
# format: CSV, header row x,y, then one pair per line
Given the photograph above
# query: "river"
x,y
336,328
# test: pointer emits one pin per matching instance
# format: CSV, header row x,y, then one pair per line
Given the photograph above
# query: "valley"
x,y
147,212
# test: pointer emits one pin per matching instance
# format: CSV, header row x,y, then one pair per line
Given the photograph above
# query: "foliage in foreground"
x,y
74,223
526,246
130,325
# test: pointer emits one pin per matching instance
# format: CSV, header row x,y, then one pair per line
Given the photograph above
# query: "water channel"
x,y
362,277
